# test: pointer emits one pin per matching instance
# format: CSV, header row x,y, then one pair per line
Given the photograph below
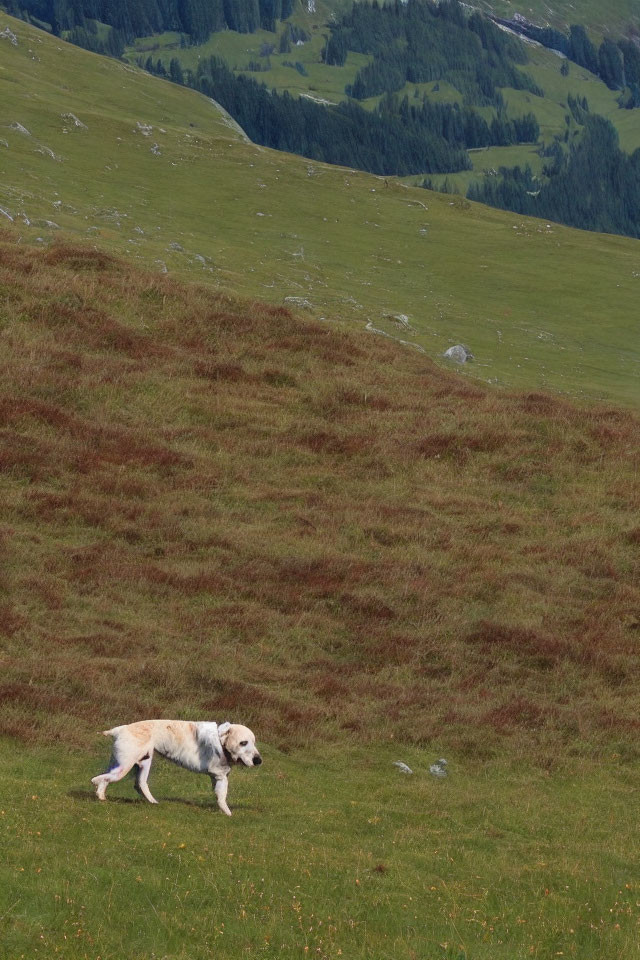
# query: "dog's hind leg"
x,y
102,781
142,774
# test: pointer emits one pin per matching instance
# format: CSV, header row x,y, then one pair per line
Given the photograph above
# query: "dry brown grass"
x,y
214,507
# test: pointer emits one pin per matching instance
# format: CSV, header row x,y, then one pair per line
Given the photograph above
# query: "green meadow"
x,y
332,855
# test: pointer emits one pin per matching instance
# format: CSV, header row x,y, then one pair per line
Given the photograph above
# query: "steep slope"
x,y
614,18
210,505
538,304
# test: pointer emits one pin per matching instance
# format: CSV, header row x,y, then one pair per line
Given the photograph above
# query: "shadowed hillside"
x,y
213,506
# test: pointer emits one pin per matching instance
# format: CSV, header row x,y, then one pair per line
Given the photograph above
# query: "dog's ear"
x,y
223,729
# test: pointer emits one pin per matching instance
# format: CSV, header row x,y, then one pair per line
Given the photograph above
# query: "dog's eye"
x,y
243,743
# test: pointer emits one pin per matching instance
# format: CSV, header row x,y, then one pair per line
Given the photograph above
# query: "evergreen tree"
x,y
610,65
335,50
175,71
581,50
596,187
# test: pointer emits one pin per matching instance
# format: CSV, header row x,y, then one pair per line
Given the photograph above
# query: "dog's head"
x,y
239,744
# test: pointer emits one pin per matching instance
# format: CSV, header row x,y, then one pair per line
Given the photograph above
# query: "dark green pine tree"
x,y
335,50
175,71
611,65
581,50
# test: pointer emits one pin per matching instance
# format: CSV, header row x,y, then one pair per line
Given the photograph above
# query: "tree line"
x,y
594,186
396,139
381,141
617,63
420,41
129,19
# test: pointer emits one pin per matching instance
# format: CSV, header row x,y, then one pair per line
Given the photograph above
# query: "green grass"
x,y
331,855
540,306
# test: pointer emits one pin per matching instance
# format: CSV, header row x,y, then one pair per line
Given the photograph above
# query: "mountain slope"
x,y
212,505
539,305
614,18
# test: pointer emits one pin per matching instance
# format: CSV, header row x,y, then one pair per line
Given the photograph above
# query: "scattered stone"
x,y
383,333
176,246
163,266
301,302
439,768
155,150
402,319
47,151
45,223
402,767
144,128
71,117
459,353
18,126
8,34
5,213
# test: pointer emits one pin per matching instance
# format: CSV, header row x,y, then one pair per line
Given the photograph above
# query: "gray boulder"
x,y
459,353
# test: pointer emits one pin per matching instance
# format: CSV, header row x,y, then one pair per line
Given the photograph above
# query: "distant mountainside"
x,y
403,89
100,149
436,82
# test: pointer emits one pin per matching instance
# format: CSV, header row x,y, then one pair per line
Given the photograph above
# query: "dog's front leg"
x,y
220,786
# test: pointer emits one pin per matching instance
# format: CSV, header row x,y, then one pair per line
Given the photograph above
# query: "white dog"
x,y
202,747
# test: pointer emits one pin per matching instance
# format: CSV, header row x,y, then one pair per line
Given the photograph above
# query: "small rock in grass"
x,y
439,768
459,353
8,34
402,767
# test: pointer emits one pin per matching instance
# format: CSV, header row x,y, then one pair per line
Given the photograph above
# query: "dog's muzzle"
x,y
257,760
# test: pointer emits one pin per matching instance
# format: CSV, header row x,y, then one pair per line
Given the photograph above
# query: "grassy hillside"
x,y
211,504
614,18
540,305
214,508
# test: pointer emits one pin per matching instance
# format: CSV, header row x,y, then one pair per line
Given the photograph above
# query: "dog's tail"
x,y
109,733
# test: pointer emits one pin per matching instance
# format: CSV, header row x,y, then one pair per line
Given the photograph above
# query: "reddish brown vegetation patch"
x,y
218,507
